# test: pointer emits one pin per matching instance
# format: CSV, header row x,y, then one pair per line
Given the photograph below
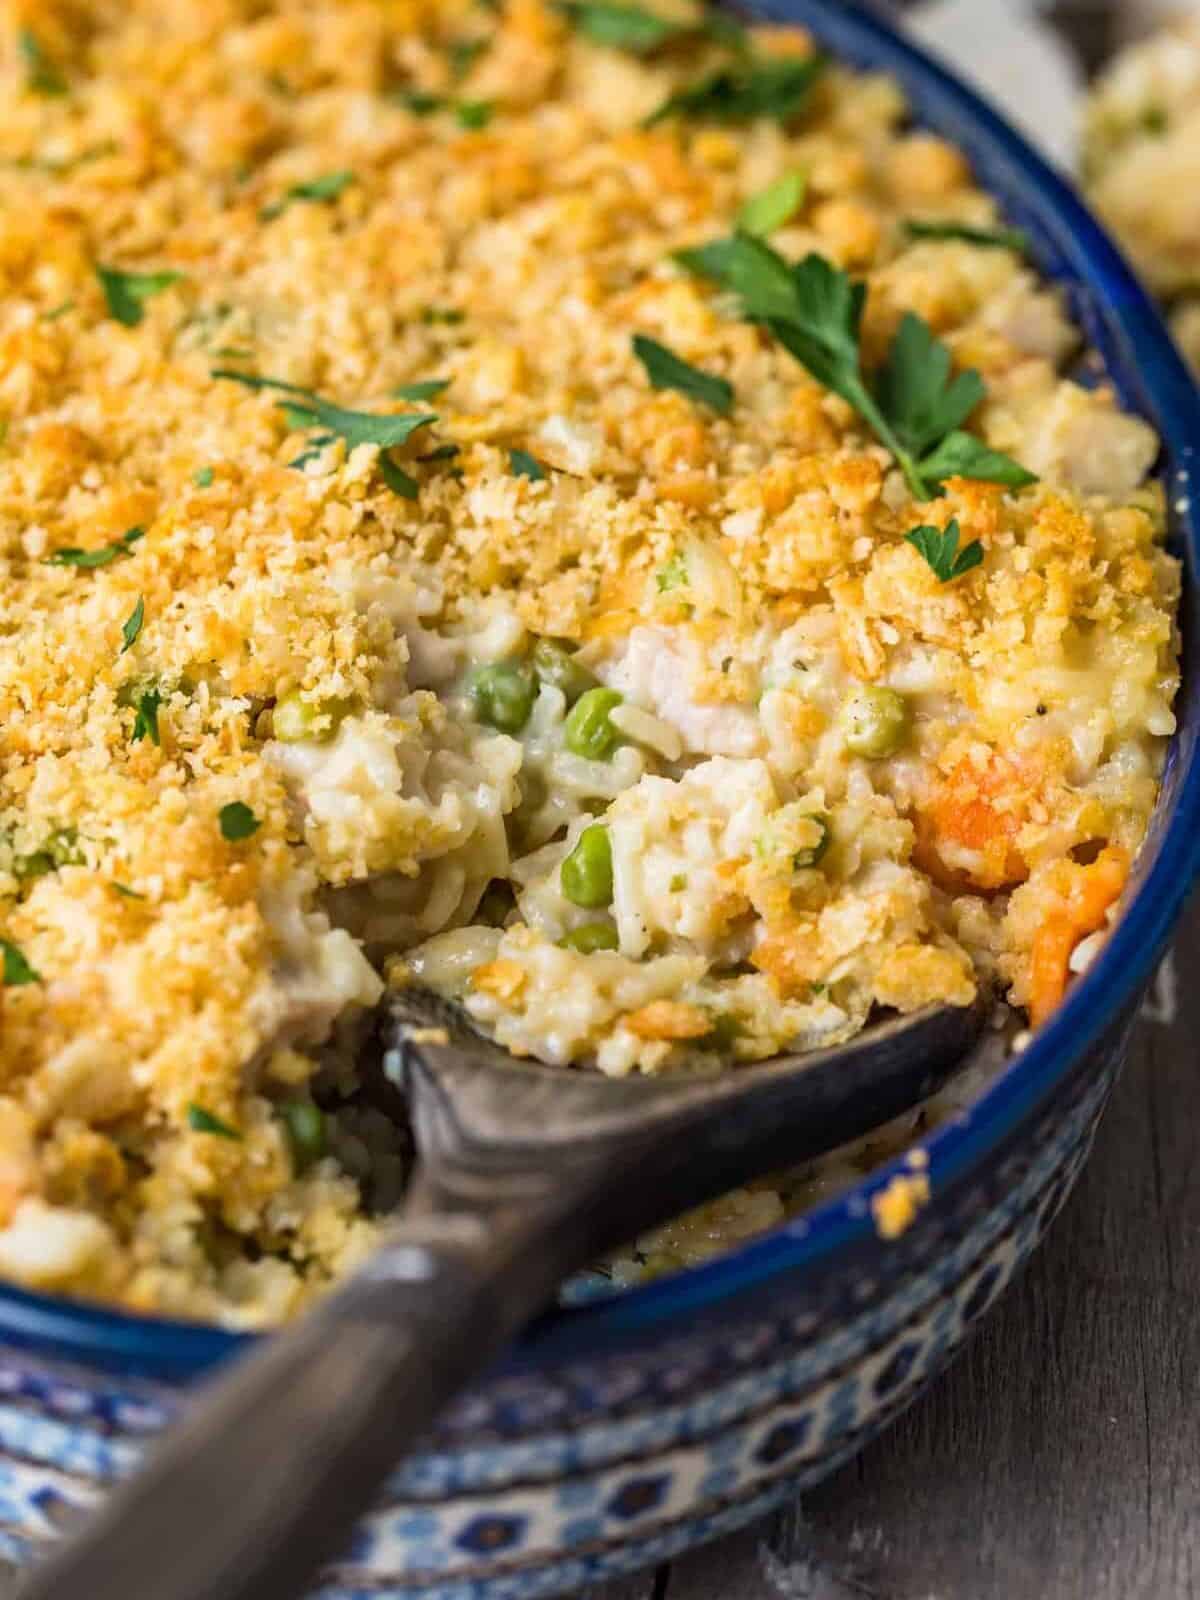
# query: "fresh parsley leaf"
x,y
743,93
133,625
913,404
775,206
769,288
359,427
916,391
145,723
309,410
126,293
962,455
252,380
324,189
42,74
622,27
444,452
939,546
667,371
988,238
203,477
397,480
522,465
428,390
73,556
237,821
17,970
474,113
201,1120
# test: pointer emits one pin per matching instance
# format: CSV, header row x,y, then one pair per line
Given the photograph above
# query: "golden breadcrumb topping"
x,y
238,241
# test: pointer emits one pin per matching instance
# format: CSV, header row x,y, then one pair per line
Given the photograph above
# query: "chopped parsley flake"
x,y
474,113
42,74
17,970
427,390
203,477
446,316
463,54
470,114
775,206
622,27
667,371
912,404
126,293
72,556
418,102
127,893
325,189
940,548
133,625
145,723
201,1120
743,93
397,480
58,311
522,465
674,575
237,821
988,238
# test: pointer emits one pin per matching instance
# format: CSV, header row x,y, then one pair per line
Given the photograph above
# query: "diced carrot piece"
x,y
980,810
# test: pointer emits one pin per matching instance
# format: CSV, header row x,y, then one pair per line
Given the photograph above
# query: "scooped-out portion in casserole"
x,y
573,505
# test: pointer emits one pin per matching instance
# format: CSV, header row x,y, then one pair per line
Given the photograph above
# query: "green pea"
x,y
588,730
557,666
875,721
587,875
295,719
590,937
305,1127
812,854
503,693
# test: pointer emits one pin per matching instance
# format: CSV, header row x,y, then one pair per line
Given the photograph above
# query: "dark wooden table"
x,y
1059,1457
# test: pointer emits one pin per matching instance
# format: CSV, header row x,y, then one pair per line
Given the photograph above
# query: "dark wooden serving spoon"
x,y
526,1173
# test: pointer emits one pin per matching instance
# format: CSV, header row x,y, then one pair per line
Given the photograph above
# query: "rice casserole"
x,y
572,505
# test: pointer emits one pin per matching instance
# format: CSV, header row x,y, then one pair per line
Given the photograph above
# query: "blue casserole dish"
x,y
619,1432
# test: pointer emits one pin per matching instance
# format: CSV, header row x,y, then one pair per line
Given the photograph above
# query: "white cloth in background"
x,y
1018,61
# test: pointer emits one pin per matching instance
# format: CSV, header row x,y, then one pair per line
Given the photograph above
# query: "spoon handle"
x,y
262,1481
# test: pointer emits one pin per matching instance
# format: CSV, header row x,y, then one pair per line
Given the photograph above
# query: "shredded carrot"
x,y
1083,911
